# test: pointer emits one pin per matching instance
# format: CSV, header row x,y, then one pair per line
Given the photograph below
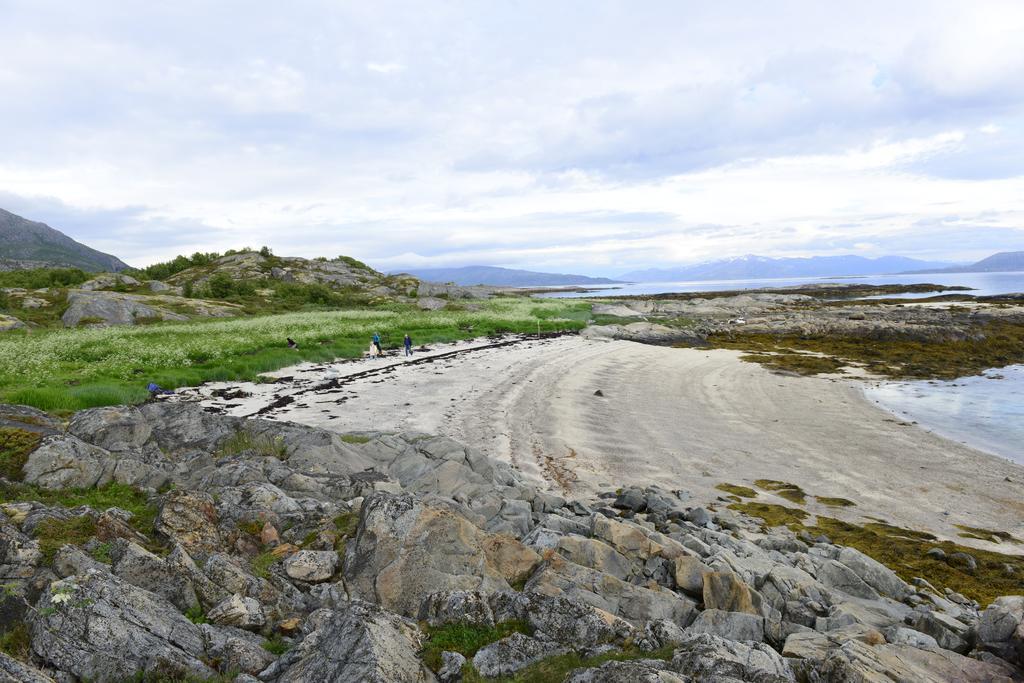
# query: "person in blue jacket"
x,y
376,342
408,345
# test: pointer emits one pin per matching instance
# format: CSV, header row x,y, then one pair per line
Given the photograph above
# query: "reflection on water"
x,y
986,412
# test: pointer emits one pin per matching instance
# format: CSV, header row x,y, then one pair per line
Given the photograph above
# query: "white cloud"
x,y
525,134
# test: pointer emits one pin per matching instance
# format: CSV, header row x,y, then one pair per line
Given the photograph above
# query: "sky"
x,y
591,137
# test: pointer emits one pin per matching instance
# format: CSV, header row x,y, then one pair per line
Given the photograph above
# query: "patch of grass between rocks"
x,y
737,490
15,447
466,639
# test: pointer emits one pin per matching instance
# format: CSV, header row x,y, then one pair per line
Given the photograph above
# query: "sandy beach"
x,y
578,415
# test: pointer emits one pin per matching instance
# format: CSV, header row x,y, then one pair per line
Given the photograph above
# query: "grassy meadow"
x,y
71,369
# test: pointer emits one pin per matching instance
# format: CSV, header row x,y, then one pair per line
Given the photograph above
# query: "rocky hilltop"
x,y
166,543
236,284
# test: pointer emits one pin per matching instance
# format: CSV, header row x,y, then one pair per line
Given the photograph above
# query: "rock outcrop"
x,y
325,560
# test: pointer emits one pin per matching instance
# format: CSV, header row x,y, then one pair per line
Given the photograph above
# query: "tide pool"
x,y
985,412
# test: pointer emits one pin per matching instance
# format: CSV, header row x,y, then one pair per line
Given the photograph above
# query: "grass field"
x,y
66,370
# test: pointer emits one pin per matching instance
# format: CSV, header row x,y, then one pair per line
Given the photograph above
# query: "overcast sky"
x,y
592,137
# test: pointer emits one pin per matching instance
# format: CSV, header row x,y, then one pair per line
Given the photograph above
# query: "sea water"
x,y
985,412
982,284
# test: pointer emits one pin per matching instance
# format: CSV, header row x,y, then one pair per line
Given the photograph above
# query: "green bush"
x,y
39,278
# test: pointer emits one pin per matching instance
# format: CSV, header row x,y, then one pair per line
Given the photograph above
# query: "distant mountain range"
x,y
1003,262
504,277
759,267
28,244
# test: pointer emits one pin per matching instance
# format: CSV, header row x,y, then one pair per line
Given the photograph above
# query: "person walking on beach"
x,y
373,350
376,342
408,345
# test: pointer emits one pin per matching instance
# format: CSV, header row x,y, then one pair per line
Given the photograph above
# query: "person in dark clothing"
x,y
408,345
292,343
376,342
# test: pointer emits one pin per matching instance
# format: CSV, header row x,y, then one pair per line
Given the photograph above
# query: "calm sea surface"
x,y
982,283
985,412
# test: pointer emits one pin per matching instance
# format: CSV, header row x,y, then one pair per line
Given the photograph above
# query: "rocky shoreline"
x,y
278,552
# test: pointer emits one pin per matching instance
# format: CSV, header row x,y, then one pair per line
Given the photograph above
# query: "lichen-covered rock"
x,y
141,568
359,642
13,671
394,559
639,671
112,308
710,658
244,613
189,519
65,461
236,650
103,629
312,566
512,653
637,604
117,429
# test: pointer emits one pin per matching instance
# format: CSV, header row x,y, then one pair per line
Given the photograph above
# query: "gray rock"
x,y
244,613
117,429
631,499
729,625
836,575
236,650
112,308
698,516
141,568
394,558
636,671
634,603
451,667
1001,620
874,574
101,628
949,633
689,575
708,657
13,671
560,620
360,642
512,653
312,566
430,303
65,461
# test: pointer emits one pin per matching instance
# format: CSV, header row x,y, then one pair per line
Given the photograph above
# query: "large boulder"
x,y
65,461
100,628
118,429
359,642
729,625
112,308
405,549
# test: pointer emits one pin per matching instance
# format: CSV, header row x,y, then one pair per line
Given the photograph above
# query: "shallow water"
x,y
983,284
985,412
